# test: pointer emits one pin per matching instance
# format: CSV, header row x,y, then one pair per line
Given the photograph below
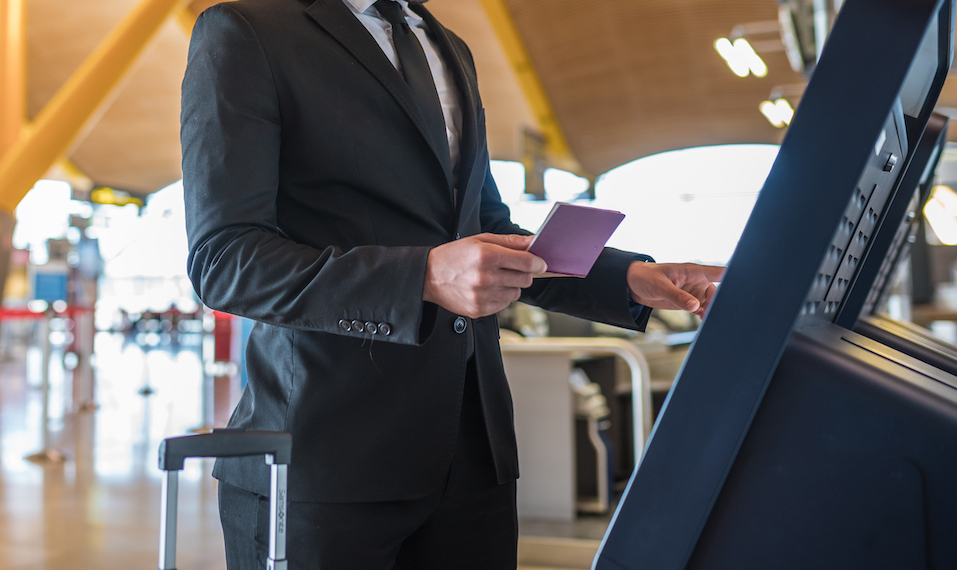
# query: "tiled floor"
x,y
100,509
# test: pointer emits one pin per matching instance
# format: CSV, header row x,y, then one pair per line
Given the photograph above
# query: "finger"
x,y
683,299
706,300
523,261
512,294
497,299
712,273
702,291
511,241
512,278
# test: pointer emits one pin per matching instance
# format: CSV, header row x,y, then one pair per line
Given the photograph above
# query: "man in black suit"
x,y
353,216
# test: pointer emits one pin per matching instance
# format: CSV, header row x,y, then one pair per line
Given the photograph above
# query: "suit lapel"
x,y
336,18
466,83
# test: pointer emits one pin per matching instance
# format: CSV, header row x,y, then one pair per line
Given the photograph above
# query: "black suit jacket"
x,y
313,198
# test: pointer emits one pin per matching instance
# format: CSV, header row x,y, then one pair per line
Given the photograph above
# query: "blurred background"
x,y
670,111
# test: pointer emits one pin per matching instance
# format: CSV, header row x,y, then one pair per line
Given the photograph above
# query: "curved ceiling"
x,y
625,79
628,79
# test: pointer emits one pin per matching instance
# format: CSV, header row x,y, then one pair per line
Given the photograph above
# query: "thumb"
x,y
684,300
511,241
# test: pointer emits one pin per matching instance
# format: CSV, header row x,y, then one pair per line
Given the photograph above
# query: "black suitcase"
x,y
276,446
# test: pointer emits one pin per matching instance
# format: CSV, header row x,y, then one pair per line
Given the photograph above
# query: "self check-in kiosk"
x,y
788,439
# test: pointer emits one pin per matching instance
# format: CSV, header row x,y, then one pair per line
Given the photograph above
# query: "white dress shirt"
x,y
381,31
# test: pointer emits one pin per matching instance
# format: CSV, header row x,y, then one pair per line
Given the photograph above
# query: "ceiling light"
x,y
785,111
778,112
737,63
750,57
941,214
772,114
741,57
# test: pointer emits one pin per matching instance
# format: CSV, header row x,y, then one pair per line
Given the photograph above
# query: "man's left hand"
x,y
683,286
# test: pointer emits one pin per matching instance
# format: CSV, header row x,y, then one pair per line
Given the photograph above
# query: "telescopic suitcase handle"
x,y
275,445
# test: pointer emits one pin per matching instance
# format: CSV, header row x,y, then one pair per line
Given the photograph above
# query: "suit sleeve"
x,y
239,260
601,296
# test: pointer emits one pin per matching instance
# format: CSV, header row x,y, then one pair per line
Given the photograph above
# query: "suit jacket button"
x,y
460,325
345,325
371,328
385,329
357,327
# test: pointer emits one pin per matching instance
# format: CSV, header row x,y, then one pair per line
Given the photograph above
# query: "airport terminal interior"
x,y
673,113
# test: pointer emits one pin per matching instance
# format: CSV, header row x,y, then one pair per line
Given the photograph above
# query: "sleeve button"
x,y
385,329
357,327
371,328
345,325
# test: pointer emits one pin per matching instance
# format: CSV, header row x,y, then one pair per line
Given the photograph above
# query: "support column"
x,y
63,118
7,225
13,65
13,106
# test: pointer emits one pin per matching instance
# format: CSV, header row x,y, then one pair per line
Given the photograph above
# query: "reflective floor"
x,y
100,508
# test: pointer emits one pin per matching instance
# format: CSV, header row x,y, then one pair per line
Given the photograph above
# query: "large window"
x,y
686,205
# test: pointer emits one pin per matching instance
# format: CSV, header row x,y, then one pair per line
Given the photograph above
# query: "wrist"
x,y
428,289
635,269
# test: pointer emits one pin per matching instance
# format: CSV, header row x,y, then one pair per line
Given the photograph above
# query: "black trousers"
x,y
469,523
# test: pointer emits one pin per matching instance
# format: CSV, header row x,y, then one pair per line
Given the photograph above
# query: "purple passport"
x,y
572,237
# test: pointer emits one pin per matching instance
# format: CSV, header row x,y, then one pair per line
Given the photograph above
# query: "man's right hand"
x,y
480,275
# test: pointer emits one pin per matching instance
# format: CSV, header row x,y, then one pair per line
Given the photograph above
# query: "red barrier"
x,y
8,313
222,337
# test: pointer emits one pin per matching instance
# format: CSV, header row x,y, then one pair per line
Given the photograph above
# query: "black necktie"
x,y
415,69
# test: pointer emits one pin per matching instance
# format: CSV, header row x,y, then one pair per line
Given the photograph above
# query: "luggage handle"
x,y
276,446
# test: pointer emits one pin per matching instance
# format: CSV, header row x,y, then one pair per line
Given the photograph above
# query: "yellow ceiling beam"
x,y
13,87
558,151
63,118
13,71
69,168
65,169
187,19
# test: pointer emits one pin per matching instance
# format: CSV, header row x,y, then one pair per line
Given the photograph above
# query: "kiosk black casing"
x,y
916,187
788,440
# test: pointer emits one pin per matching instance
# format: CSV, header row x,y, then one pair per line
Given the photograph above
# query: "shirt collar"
x,y
360,6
